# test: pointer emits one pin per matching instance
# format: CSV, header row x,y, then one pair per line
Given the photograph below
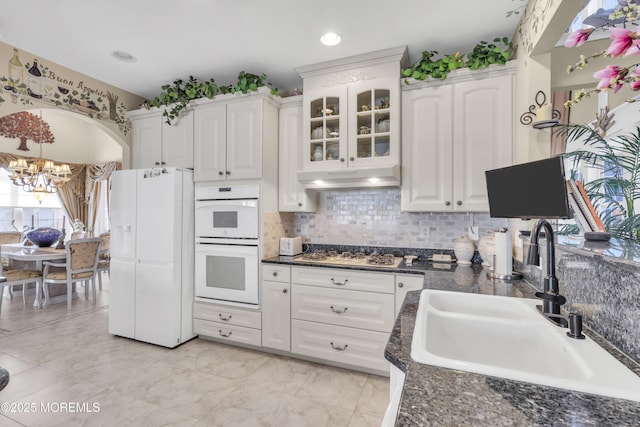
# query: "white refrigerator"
x,y
152,248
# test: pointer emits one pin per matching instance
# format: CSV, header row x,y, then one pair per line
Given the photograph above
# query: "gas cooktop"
x,y
351,259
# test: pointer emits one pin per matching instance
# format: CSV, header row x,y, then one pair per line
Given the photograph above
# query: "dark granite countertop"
x,y
439,396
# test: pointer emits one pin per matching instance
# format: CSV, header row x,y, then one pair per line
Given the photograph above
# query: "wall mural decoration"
x,y
25,126
534,20
35,81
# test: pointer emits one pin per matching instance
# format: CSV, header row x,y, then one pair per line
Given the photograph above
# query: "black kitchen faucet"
x,y
551,298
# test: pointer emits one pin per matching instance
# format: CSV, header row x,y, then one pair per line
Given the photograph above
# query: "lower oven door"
x,y
227,272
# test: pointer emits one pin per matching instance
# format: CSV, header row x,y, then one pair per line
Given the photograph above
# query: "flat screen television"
x,y
529,190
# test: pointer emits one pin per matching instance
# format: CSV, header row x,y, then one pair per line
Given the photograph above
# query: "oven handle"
x,y
248,203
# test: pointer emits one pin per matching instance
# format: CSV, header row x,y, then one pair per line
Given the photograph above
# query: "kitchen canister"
x,y
464,250
486,248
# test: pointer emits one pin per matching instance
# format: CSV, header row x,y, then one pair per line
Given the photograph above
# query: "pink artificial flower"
x,y
578,38
621,40
610,76
635,84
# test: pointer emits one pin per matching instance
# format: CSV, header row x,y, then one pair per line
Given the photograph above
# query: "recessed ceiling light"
x,y
330,39
123,56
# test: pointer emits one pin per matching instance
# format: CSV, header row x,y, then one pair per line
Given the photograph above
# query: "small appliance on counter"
x,y
290,246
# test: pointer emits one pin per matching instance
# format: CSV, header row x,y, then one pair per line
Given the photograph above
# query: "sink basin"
x,y
508,338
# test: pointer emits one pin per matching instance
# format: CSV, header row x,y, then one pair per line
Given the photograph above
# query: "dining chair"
x,y
80,267
77,235
21,276
9,237
104,258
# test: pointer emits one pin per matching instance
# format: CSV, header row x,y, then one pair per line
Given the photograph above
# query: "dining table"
x,y
32,254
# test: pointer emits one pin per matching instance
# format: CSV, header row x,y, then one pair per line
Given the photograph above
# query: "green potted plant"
x,y
616,191
176,97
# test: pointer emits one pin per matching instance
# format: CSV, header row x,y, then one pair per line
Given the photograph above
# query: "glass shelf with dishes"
x,y
324,129
374,123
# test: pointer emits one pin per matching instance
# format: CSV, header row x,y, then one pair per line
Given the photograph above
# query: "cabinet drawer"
x,y
404,284
365,310
276,273
227,332
343,279
227,315
340,344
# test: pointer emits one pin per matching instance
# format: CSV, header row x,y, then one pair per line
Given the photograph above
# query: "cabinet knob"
x,y
459,202
157,163
228,173
299,204
342,159
275,274
220,173
447,203
284,291
162,163
401,285
351,159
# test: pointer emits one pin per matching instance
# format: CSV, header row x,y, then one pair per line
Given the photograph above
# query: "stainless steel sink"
x,y
507,337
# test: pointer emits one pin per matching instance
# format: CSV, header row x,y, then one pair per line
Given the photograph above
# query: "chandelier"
x,y
38,176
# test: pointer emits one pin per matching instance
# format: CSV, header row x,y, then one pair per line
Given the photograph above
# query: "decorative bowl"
x,y
43,236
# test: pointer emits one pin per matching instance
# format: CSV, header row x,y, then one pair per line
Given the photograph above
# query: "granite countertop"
x,y
439,396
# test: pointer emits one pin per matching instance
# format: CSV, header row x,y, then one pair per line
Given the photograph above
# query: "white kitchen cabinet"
x,y
453,132
230,136
156,143
227,323
276,315
404,284
351,121
353,127
292,197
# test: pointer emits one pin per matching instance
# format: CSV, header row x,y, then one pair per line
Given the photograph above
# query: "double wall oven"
x,y
227,260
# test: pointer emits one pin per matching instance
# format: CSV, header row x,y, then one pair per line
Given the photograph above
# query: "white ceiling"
x,y
218,38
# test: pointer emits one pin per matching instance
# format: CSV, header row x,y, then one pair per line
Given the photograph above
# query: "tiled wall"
x,y
274,226
373,218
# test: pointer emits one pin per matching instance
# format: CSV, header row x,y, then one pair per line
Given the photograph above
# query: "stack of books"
x,y
584,213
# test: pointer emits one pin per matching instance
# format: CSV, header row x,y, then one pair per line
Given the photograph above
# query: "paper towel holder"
x,y
502,277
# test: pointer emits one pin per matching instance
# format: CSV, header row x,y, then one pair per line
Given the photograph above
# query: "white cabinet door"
x,y
244,139
404,284
291,196
324,132
481,141
276,315
177,141
427,131
374,123
210,139
146,137
122,302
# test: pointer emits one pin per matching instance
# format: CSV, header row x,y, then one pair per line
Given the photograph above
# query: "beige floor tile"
x,y
7,422
335,387
375,396
14,365
65,403
249,407
299,412
281,374
28,382
360,419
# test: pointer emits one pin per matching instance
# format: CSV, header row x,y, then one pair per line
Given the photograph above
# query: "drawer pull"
x,y
339,348
275,274
338,311
226,319
222,334
400,284
338,283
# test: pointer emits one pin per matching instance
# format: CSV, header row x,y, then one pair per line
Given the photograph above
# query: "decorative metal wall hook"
x,y
531,116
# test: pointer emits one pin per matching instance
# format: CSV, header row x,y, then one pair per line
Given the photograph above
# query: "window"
x,y
22,208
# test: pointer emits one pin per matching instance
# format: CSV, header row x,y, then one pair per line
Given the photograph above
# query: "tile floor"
x,y
57,357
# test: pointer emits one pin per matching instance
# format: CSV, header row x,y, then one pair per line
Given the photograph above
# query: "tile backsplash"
x,y
373,218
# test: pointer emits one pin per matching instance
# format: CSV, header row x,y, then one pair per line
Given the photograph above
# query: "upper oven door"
x,y
236,219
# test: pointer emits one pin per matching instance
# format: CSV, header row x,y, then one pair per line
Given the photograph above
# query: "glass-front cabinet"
x,y
325,129
352,126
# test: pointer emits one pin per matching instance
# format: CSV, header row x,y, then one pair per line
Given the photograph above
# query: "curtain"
x,y
80,195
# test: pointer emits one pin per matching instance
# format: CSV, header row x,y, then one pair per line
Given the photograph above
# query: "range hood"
x,y
388,176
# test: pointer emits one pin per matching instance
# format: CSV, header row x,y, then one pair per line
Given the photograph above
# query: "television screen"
x,y
529,190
